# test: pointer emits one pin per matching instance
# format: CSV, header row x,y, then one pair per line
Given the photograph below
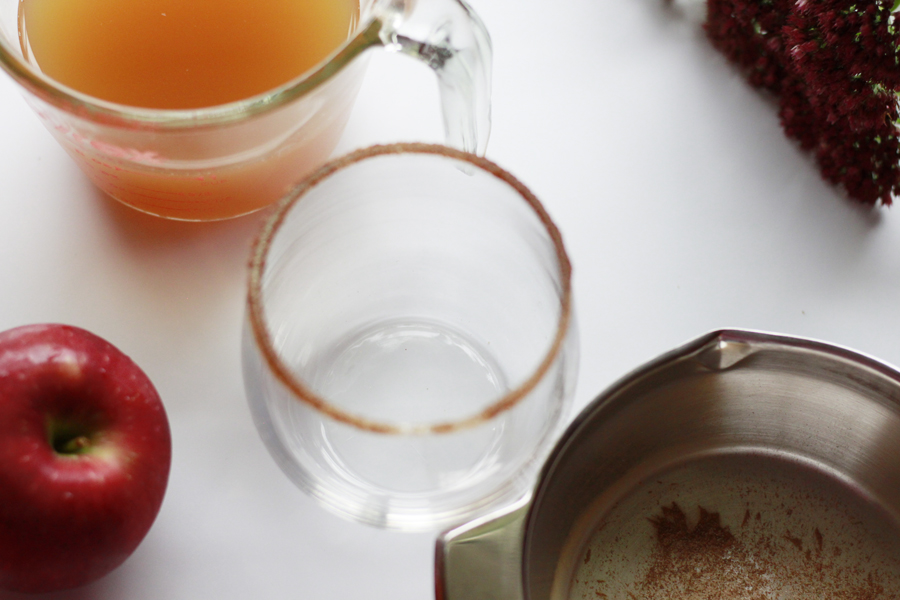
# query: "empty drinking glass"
x,y
410,348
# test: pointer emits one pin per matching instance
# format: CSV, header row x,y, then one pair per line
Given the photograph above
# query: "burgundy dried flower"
x,y
748,34
835,67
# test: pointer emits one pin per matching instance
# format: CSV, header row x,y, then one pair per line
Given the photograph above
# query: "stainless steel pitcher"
x,y
741,400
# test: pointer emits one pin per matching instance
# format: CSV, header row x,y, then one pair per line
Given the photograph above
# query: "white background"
x,y
683,207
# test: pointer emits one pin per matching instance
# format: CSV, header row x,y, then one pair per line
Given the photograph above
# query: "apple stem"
x,y
68,438
75,445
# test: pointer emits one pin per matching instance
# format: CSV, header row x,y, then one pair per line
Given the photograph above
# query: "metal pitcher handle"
x,y
482,560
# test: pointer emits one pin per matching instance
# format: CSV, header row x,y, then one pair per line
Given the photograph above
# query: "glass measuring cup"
x,y
224,161
410,349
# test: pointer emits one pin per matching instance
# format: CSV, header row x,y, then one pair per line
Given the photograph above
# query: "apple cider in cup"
x,y
210,109
180,54
183,55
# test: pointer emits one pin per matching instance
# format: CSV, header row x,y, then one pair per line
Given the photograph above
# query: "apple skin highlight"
x,y
85,452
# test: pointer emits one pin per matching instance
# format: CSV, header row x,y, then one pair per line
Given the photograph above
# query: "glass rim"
x,y
362,38
263,340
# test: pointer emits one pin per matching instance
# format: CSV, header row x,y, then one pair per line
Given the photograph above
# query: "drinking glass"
x,y
227,160
409,350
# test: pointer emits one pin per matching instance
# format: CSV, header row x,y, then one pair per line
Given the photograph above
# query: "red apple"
x,y
84,457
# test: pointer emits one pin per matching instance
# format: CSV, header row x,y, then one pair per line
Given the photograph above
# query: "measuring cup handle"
x,y
450,38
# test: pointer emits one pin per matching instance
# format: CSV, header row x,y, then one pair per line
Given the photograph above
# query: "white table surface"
x,y
683,207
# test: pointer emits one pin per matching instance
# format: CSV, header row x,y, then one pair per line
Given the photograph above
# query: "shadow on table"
x,y
143,230
100,590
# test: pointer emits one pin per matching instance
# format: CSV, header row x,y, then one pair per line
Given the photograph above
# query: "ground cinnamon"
x,y
735,528
707,561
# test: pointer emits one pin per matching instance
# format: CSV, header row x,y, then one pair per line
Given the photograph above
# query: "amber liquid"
x,y
181,53
188,54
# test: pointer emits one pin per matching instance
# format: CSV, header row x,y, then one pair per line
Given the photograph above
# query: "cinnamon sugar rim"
x,y
257,319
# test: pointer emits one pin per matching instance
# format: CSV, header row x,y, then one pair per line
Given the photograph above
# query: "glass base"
x,y
416,372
